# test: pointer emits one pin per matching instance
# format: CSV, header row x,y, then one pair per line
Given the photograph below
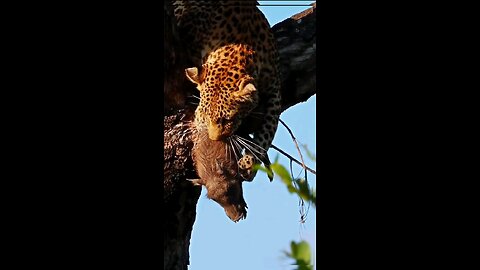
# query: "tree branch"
x,y
296,43
292,158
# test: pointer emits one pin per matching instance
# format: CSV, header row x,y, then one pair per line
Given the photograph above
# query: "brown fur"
x,y
218,172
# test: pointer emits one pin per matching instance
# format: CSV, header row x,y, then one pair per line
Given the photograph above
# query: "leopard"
x,y
236,71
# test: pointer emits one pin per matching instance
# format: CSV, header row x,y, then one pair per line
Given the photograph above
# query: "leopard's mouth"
x,y
217,137
219,134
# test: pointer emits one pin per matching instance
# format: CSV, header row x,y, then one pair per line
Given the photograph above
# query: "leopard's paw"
x,y
245,166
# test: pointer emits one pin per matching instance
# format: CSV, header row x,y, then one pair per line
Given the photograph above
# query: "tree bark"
x,y
296,44
296,39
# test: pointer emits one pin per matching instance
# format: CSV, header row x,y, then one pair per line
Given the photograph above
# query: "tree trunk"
x,y
296,39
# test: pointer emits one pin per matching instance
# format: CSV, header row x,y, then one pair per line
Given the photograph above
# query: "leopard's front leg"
x,y
263,138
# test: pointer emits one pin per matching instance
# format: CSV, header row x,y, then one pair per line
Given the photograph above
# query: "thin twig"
x,y
301,202
296,144
291,169
292,158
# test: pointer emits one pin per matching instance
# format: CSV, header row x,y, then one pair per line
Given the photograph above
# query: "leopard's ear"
x,y
245,90
196,77
192,75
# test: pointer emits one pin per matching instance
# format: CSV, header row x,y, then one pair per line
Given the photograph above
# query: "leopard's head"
x,y
227,91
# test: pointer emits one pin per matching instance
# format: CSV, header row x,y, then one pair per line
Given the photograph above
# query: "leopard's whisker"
x,y
247,146
239,148
252,143
226,149
233,148
249,149
229,150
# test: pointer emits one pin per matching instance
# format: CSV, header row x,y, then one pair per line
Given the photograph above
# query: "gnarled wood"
x,y
297,42
180,196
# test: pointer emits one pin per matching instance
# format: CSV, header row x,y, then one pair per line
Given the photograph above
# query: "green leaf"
x,y
282,173
303,252
314,197
303,189
259,168
305,267
293,247
292,189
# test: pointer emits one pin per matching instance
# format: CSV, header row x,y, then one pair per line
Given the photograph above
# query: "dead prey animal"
x,y
218,172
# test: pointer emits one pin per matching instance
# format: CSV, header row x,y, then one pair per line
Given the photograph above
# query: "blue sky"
x,y
258,242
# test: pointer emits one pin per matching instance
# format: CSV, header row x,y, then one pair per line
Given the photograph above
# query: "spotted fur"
x,y
236,70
